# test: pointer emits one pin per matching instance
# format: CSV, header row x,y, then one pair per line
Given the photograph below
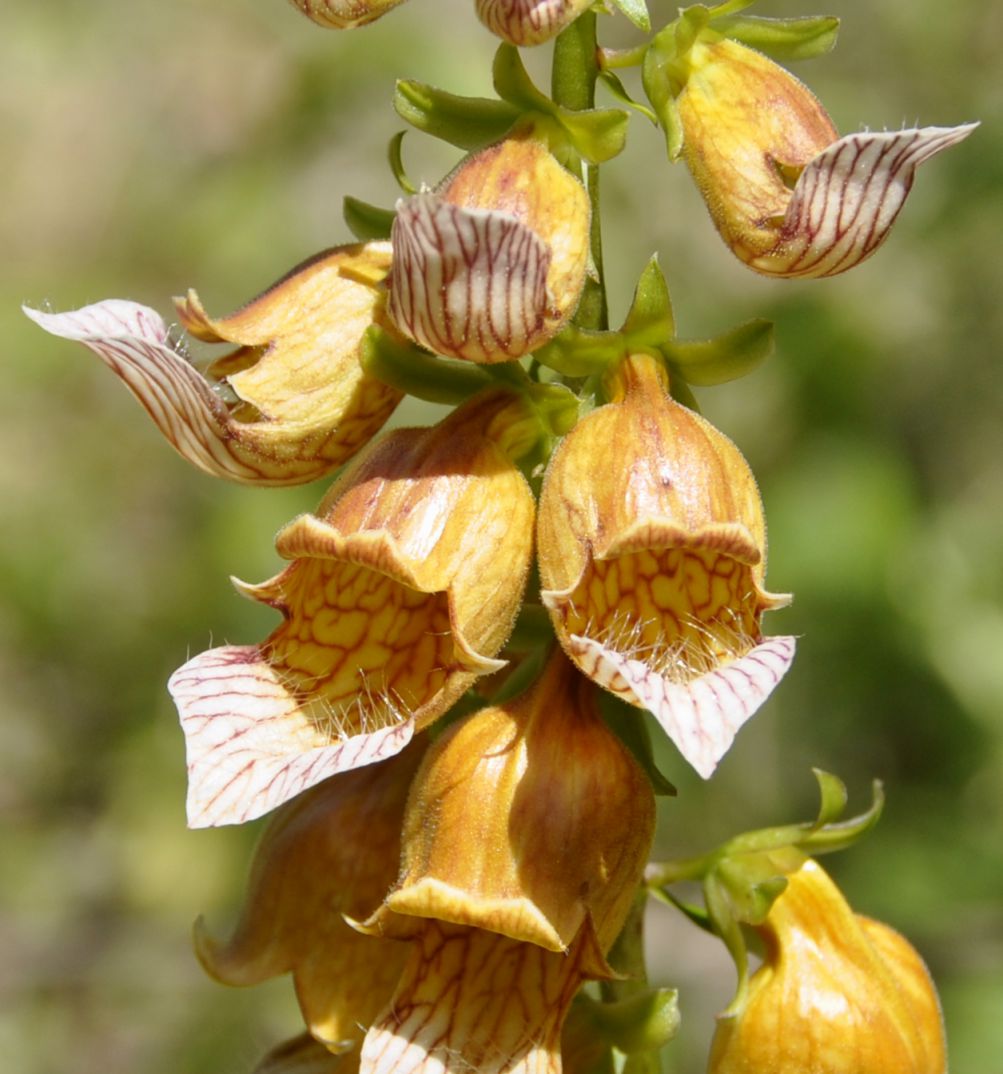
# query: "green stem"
x,y
573,85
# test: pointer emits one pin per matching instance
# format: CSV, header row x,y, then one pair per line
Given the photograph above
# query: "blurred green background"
x,y
148,147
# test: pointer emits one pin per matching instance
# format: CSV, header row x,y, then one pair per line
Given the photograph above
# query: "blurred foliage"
x,y
149,147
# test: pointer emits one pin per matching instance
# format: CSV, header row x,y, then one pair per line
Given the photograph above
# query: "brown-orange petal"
x,y
491,265
332,851
529,22
474,1000
653,569
401,591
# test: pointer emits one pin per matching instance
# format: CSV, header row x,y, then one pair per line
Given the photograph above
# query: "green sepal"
x,y
619,91
643,1022
596,134
631,728
681,392
649,320
397,163
783,39
661,84
523,676
729,356
466,122
580,352
418,373
729,931
367,222
636,11
832,798
754,881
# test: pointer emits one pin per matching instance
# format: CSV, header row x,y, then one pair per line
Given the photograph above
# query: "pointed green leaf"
x,y
466,122
643,1022
832,791
783,39
599,134
637,12
649,320
397,164
723,358
513,84
657,80
836,836
366,222
619,91
580,352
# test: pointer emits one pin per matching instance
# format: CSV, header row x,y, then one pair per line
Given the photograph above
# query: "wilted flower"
x,y
491,265
343,14
402,589
836,994
653,568
332,851
529,22
788,195
524,840
290,404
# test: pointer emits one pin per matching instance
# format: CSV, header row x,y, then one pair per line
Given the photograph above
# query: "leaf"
x,y
367,222
783,39
729,356
466,122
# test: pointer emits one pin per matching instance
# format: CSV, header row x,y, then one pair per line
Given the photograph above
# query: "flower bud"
x,y
491,265
401,590
344,14
653,569
836,994
332,851
291,404
529,819
788,195
529,22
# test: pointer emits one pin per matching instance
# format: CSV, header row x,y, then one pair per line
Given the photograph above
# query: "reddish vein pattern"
x,y
701,717
132,340
528,22
476,1000
249,743
466,282
342,14
848,197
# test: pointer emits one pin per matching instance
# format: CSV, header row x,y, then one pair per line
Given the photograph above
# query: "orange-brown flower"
x,y
332,851
344,14
836,994
652,564
788,195
491,265
402,589
529,22
291,404
524,840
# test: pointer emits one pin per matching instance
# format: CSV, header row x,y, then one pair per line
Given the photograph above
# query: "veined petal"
x,y
473,1000
399,596
291,404
344,14
251,742
529,22
846,200
490,266
468,282
701,716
